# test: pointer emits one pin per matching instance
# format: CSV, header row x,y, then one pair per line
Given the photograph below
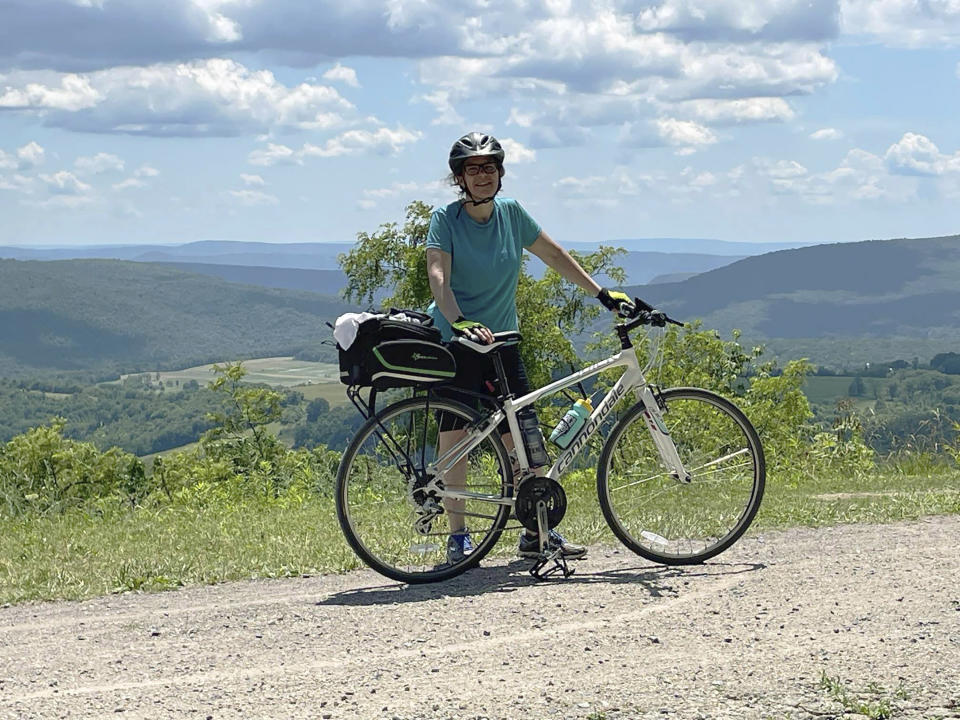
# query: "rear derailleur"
x,y
422,492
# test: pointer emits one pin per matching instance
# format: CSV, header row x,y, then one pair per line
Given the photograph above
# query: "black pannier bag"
x,y
390,353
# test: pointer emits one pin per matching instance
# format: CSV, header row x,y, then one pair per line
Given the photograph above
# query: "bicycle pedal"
x,y
559,566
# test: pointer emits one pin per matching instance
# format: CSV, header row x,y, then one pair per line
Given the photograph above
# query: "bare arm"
x,y
438,274
559,259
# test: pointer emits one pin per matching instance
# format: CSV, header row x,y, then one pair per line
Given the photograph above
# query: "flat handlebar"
x,y
645,314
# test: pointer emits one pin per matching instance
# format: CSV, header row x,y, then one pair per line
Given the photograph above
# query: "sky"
x,y
139,121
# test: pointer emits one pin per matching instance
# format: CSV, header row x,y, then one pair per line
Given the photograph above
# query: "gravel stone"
x,y
747,635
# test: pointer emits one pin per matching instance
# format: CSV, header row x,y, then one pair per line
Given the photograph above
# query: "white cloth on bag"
x,y
346,327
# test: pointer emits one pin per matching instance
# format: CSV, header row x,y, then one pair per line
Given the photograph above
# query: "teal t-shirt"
x,y
485,261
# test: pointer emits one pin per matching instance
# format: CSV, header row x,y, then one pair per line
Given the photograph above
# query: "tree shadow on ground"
x,y
512,576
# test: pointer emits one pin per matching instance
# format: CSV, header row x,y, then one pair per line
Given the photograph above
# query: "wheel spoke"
x,y
383,481
664,518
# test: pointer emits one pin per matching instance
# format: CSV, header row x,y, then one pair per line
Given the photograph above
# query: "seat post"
x,y
501,376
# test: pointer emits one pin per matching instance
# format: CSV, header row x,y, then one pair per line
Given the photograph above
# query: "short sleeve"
x,y
528,230
439,235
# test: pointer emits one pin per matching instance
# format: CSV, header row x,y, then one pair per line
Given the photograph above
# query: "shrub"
x,y
42,471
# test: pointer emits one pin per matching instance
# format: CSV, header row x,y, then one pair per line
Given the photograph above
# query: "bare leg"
x,y
455,479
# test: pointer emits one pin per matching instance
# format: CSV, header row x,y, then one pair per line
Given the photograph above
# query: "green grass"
x,y
112,548
333,392
276,371
825,389
873,701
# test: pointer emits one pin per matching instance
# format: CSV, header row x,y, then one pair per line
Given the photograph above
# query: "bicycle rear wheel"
x,y
663,518
385,510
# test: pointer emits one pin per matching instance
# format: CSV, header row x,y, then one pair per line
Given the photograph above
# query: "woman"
x,y
474,248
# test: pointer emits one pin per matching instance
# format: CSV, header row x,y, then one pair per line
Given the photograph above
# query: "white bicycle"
x,y
680,475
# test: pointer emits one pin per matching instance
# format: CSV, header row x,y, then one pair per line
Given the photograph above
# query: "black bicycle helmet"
x,y
474,144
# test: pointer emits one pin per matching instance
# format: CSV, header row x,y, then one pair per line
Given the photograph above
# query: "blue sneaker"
x,y
459,547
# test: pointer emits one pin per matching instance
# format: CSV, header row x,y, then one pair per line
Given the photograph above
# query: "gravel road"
x,y
748,635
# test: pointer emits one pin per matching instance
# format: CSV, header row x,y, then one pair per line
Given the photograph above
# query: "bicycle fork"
x,y
653,417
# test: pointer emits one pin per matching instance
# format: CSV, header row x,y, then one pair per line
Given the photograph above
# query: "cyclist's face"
x,y
481,177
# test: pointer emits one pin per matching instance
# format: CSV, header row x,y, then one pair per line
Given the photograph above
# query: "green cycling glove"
x,y
464,327
615,300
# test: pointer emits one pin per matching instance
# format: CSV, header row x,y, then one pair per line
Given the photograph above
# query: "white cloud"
x,y
565,66
252,180
16,182
721,112
275,154
342,73
603,190
136,181
27,156
30,155
516,153
64,183
916,154
73,94
684,133
780,169
131,183
738,21
99,163
205,97
826,134
252,198
436,192
861,176
382,141
60,201
904,23
442,104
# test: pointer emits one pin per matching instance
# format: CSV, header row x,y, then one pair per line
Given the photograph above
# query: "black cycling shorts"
x,y
475,372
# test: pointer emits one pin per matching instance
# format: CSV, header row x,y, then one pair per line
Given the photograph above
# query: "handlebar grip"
x,y
643,306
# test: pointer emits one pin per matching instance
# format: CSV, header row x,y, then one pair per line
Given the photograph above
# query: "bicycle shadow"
x,y
512,576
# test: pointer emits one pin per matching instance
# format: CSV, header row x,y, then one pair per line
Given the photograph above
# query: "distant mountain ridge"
x,y
700,246
902,288
265,261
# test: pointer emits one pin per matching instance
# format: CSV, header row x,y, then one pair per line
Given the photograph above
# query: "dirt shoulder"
x,y
748,635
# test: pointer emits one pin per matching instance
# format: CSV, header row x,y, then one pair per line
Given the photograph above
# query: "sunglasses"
x,y
488,169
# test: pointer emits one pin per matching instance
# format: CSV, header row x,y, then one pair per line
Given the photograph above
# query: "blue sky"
x,y
129,122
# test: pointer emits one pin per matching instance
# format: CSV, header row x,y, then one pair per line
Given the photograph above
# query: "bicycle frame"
x,y
632,379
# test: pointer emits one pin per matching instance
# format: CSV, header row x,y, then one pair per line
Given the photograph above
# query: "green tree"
x,y
240,433
394,258
857,388
317,408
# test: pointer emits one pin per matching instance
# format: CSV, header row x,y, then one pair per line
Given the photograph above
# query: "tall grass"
x,y
109,546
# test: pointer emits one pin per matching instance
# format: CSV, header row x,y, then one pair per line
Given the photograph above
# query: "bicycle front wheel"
x,y
669,520
386,508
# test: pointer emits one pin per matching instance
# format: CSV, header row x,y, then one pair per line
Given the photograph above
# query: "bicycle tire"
x,y
672,522
377,511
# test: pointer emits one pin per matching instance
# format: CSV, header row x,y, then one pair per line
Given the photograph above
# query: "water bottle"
x,y
570,424
532,438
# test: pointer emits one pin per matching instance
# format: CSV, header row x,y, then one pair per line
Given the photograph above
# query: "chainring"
x,y
534,490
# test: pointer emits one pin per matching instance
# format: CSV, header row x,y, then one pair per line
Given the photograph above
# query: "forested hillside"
x,y
898,297
97,318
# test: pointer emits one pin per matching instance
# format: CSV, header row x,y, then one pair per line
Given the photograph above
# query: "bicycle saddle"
x,y
500,339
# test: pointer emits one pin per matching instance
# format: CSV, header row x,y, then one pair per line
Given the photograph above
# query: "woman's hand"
x,y
471,330
616,301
